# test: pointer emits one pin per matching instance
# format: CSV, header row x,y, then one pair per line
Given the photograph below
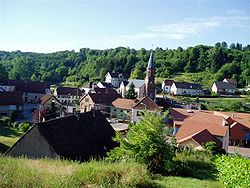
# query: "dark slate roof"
x,y
224,85
117,75
10,98
137,83
28,86
107,85
104,95
168,82
186,85
69,90
79,138
230,81
151,64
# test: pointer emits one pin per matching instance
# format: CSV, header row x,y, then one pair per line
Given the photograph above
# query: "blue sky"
x,y
49,26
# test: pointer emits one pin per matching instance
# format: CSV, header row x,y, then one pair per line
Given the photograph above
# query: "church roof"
x,y
151,64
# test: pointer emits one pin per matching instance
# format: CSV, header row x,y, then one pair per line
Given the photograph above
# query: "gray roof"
x,y
151,64
224,85
186,85
137,83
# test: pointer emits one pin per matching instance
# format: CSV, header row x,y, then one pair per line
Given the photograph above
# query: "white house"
x,y
166,85
185,88
115,78
140,87
223,88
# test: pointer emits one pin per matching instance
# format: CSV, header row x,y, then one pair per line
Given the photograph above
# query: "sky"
x,y
50,26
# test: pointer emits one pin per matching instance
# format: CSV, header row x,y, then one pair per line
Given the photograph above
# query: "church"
x,y
150,78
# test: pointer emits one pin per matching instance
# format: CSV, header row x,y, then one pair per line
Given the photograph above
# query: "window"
x,y
86,99
35,97
114,110
121,110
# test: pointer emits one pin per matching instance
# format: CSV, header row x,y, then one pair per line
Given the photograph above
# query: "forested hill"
x,y
219,61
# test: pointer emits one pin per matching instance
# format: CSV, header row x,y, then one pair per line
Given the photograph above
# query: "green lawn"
x,y
9,136
174,182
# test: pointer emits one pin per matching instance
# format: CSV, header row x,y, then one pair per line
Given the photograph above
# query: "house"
x,y
104,85
76,137
166,85
10,101
98,98
46,101
31,91
87,87
68,94
230,81
132,109
140,87
237,123
192,127
185,88
223,88
116,78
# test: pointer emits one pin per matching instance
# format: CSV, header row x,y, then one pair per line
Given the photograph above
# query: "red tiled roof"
x,y
179,114
123,103
69,90
46,97
146,103
10,98
200,121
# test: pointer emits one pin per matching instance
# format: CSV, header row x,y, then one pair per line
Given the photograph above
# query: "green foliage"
x,y
88,64
23,172
146,143
193,163
24,126
131,94
233,171
3,72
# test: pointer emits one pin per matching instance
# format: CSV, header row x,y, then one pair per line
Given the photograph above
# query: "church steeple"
x,y
150,77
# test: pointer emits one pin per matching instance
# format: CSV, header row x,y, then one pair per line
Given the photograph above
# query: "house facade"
x,y
166,85
131,110
115,78
223,88
140,87
185,88
98,98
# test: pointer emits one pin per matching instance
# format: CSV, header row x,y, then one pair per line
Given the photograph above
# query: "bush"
x,y
24,126
146,143
233,171
193,163
5,121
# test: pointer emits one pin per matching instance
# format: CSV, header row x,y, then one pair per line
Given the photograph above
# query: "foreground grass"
x,y
56,173
8,136
173,182
22,172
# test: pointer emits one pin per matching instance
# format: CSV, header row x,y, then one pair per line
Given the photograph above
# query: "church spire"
x,y
151,64
150,77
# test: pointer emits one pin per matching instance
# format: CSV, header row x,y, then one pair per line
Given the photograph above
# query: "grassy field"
x,y
22,172
9,136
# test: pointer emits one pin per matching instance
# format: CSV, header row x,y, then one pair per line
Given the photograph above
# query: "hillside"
x,y
21,172
202,64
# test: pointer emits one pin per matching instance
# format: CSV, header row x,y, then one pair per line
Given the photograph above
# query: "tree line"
x,y
221,60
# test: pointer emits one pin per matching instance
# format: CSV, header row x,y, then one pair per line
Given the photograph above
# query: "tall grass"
x,y
57,173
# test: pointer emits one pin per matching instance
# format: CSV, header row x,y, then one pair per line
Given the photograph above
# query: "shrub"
x,y
24,126
146,143
233,171
193,163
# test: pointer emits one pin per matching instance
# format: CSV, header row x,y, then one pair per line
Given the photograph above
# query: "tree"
x,y
232,46
146,143
224,44
131,94
23,68
137,74
3,72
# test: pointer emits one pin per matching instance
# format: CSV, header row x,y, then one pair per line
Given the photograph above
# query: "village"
x,y
101,109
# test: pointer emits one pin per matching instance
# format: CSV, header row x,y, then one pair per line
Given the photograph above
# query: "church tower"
x,y
150,77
